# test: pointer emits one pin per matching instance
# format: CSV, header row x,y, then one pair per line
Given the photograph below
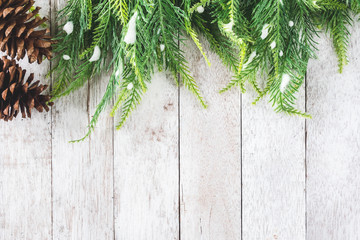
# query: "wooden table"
x,y
177,171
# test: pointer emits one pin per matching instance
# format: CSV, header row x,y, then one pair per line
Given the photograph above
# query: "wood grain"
x,y
82,172
146,167
210,163
177,171
100,168
25,167
333,144
273,170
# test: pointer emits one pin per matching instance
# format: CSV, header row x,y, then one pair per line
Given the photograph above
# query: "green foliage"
x,y
160,26
275,39
259,40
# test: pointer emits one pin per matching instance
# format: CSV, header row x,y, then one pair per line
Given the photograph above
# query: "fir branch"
x,y
271,38
219,43
100,107
103,11
337,22
120,8
202,3
133,98
195,38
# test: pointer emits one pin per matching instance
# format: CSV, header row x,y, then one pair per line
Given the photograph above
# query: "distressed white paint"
x,y
333,144
82,172
125,184
273,170
210,160
146,167
25,168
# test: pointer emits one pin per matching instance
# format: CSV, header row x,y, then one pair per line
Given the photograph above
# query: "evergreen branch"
x,y
120,9
90,15
220,44
85,73
271,38
337,23
100,107
202,3
331,5
132,100
239,79
194,37
103,11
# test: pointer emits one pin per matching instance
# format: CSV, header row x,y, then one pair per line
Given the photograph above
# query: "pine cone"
x,y
18,96
17,31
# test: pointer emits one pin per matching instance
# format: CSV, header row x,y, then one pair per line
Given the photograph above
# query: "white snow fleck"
x,y
119,71
130,36
281,53
284,82
273,45
200,9
130,86
265,31
66,57
228,27
291,23
251,57
69,27
96,54
162,47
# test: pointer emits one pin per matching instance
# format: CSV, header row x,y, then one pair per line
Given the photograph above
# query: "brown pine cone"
x,y
17,31
17,96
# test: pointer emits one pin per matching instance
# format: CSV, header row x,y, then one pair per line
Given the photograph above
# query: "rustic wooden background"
x,y
177,171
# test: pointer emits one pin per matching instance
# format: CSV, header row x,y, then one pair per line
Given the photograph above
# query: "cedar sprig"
x,y
160,25
274,39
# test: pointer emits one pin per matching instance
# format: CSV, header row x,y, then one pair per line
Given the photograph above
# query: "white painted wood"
x,y
71,172
146,167
100,168
210,161
82,172
333,144
25,167
125,184
273,170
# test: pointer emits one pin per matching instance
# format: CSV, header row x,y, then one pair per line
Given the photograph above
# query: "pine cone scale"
x,y
4,94
7,11
19,95
19,33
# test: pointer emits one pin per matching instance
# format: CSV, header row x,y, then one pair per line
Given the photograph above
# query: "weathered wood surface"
x,y
177,171
333,144
25,168
82,172
273,170
146,167
210,154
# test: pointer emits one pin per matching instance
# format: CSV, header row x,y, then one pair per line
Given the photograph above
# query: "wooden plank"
x,y
82,172
273,169
25,167
101,162
146,167
210,156
333,144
